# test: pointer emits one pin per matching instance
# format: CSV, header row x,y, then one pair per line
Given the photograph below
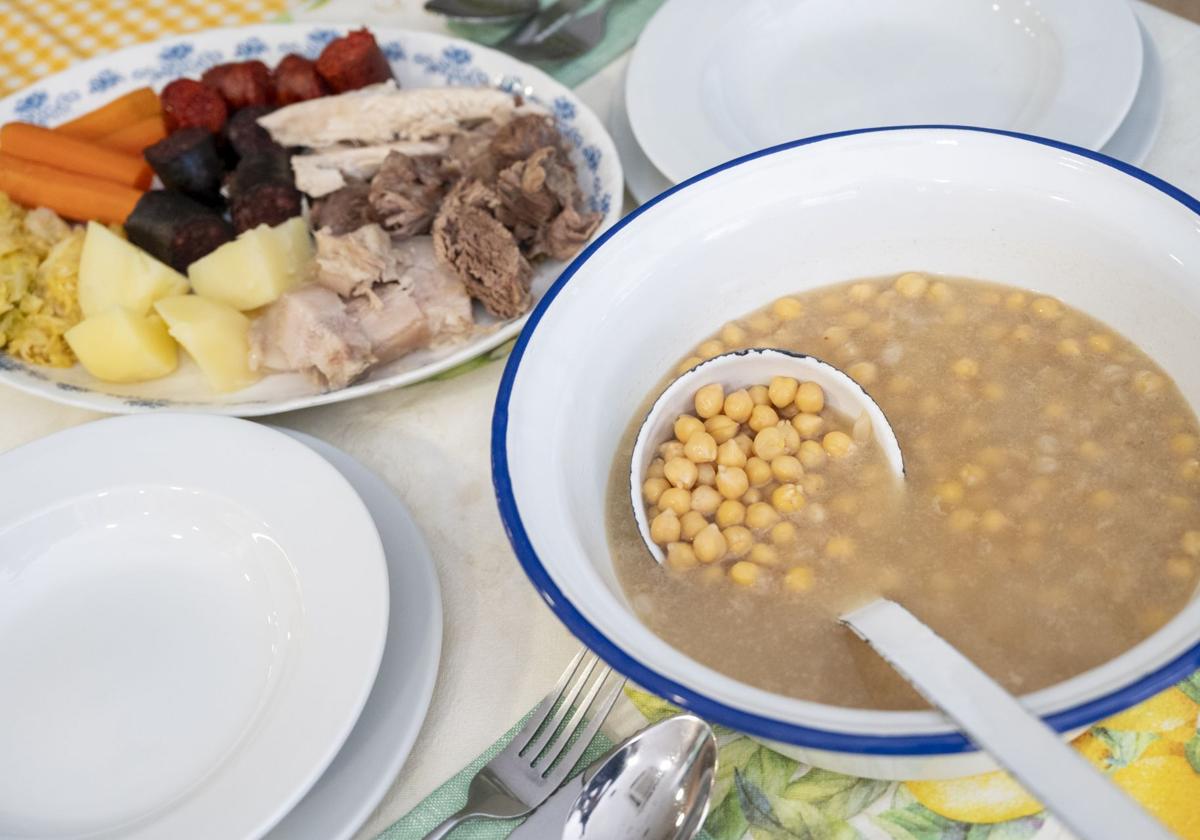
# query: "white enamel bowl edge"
x,y
1102,236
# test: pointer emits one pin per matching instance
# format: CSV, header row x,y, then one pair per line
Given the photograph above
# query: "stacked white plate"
x,y
208,628
710,81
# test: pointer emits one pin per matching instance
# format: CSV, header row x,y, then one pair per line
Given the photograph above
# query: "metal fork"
x,y
559,31
540,757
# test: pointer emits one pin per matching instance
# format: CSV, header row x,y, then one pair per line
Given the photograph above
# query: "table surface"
x,y
502,647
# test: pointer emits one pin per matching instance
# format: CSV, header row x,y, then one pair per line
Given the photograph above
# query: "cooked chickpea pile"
x,y
1052,470
731,490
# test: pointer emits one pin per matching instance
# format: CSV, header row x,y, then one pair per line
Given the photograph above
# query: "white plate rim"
x,y
359,647
1110,82
444,58
413,580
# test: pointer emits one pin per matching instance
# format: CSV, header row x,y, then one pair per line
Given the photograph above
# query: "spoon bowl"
x,y
655,786
741,369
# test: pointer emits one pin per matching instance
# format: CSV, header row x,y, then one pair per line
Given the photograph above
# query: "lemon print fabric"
x,y
1151,751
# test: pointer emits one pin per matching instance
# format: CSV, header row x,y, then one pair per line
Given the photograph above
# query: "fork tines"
x,y
552,747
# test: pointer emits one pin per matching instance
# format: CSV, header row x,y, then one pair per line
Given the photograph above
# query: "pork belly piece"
x,y
383,113
308,329
539,203
352,263
407,192
325,170
392,320
437,290
344,210
482,251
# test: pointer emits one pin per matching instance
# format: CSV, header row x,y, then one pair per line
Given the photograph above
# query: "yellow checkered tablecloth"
x,y
45,36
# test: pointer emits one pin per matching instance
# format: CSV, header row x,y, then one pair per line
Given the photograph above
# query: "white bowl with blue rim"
x,y
1103,236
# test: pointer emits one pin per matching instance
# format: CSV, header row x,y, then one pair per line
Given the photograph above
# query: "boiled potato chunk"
x,y
215,335
112,272
123,346
257,267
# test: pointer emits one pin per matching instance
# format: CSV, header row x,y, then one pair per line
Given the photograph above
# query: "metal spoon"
x,y
484,11
740,369
655,785
995,720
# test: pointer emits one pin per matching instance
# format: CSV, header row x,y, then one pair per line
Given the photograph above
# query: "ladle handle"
x,y
1036,755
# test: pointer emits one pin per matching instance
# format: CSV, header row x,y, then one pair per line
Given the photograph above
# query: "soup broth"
x,y
1048,521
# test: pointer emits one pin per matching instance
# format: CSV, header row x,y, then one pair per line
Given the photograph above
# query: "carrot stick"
x,y
133,106
66,193
42,145
136,136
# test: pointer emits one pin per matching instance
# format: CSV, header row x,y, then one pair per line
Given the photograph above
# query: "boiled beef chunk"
x,y
482,251
522,136
538,201
407,191
344,210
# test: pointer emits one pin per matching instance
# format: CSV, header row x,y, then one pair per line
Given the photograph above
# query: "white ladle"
x,y
995,720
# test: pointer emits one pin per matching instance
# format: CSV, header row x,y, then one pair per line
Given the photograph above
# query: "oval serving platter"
x,y
418,59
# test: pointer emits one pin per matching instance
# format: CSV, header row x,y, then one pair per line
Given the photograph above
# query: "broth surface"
x,y
1050,518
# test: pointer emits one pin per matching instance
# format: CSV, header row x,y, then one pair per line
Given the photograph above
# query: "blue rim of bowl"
x,y
1083,714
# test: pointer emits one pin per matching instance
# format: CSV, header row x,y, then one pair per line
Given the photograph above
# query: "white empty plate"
x,y
192,613
341,801
710,80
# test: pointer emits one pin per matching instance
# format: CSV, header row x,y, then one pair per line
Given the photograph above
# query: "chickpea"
x,y
786,468
791,438
788,498
738,405
731,512
706,474
965,368
993,391
665,528
940,292
656,468
759,395
886,299
808,426
911,285
709,544
681,473
721,428
1100,343
856,319
861,292
972,475
700,448
758,471
1022,333
813,483
732,482
751,496
738,540
1070,348
761,323
839,548
1183,444
691,524
782,390
810,398
787,309
769,443
993,521
864,373
760,515
744,573
1190,542
783,533
733,335
744,443
710,400
686,426
1091,450
762,417
764,555
676,499
949,492
816,513
687,364
1179,568
835,336
671,449
812,455
729,454
652,489
706,500
1147,382
837,444
710,348
1189,470
680,556
1015,301
1046,308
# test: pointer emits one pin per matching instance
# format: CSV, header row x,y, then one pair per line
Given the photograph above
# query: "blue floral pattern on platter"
x,y
449,63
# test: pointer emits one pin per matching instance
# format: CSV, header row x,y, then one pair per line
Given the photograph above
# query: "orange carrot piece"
x,y
69,194
42,145
133,106
135,137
